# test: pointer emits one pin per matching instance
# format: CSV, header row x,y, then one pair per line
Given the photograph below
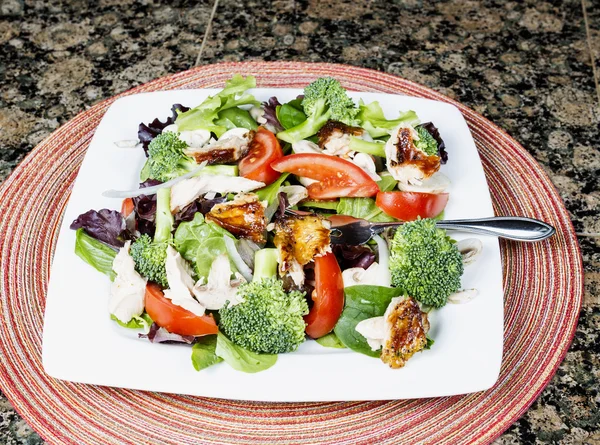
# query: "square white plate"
x,y
82,344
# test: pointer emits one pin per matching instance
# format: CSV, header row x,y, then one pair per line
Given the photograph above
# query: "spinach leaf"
x,y
362,302
204,352
236,118
330,341
364,208
241,359
289,116
142,322
200,243
95,253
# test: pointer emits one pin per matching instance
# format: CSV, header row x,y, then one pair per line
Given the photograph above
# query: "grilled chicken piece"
x,y
299,239
406,162
334,138
401,331
243,217
407,329
231,147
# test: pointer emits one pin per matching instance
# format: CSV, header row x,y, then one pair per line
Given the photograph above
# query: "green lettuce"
x,y
206,115
374,121
200,242
95,253
362,302
364,208
204,352
241,359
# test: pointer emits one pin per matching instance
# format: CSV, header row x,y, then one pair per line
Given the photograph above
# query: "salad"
x,y
226,244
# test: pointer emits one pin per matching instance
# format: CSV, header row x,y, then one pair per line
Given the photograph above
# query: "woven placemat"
x,y
543,285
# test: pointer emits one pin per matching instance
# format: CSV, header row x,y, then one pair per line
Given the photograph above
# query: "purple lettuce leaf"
x,y
433,131
156,334
148,132
270,115
145,209
201,205
105,225
353,256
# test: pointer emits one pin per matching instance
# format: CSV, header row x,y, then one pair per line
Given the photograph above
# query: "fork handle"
x,y
510,227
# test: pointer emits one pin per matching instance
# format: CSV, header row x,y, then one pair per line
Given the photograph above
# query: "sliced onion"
x,y
247,249
384,260
237,259
127,143
152,190
210,195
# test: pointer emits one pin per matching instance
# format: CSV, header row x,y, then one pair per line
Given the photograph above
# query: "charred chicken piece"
x,y
243,217
299,239
334,138
406,162
231,147
407,328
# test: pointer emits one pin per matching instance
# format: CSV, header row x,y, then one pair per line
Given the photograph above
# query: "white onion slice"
x,y
152,190
237,259
127,143
384,261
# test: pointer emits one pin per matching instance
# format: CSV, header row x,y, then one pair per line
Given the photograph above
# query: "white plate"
x,y
82,344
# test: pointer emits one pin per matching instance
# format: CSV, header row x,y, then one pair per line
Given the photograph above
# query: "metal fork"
x,y
355,231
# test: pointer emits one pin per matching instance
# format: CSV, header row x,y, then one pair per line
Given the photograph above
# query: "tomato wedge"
x,y
328,297
127,207
264,149
173,318
409,206
337,177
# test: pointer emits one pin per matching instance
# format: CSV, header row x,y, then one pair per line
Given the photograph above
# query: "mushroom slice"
x,y
470,249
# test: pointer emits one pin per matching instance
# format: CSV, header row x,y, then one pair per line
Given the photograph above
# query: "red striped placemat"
x,y
543,293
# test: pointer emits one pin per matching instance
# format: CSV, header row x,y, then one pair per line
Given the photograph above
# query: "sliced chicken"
x,y
243,217
299,239
334,138
406,162
181,283
220,288
189,190
401,332
231,147
129,288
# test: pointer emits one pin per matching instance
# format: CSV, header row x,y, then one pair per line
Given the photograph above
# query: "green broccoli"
x,y
269,320
324,99
425,262
150,254
426,142
166,159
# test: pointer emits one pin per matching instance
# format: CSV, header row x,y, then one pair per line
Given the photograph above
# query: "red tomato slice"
x,y
328,297
337,177
173,318
264,149
409,206
127,207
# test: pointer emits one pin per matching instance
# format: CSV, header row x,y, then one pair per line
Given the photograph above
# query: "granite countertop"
x,y
524,65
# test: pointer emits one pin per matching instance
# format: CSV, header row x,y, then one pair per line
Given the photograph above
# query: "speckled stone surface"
x,y
524,65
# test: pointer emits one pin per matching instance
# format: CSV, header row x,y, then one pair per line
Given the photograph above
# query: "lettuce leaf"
x,y
105,225
374,121
330,341
241,359
200,242
362,302
142,322
204,352
95,253
205,115
364,208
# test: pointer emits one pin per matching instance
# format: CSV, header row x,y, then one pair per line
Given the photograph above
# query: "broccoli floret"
x,y
425,262
166,159
426,142
150,254
149,258
269,320
324,99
